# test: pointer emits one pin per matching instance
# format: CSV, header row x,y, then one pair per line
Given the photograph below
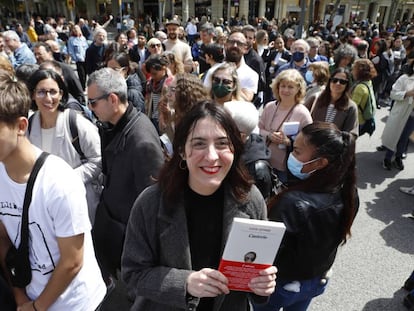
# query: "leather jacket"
x,y
313,233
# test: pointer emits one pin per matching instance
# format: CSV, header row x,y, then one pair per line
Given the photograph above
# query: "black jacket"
x,y
135,91
313,233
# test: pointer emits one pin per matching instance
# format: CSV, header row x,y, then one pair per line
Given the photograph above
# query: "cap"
x,y
173,22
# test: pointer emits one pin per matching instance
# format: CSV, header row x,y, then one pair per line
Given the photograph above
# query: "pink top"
x,y
271,120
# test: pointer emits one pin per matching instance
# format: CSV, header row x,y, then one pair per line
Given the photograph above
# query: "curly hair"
x,y
189,90
364,70
174,61
289,75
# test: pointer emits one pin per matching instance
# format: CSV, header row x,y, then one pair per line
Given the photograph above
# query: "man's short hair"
x,y
208,28
109,81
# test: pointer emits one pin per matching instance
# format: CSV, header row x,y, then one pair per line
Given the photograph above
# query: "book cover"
x,y
251,246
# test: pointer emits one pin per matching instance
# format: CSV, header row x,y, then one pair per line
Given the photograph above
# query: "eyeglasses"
x,y
341,81
222,81
155,45
42,93
93,101
233,42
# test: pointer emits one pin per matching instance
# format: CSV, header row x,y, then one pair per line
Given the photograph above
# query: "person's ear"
x,y
22,124
321,163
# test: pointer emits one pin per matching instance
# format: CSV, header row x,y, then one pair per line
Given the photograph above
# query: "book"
x,y
290,128
252,246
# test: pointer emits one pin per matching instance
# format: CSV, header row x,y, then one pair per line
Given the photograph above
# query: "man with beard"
x,y
255,62
236,46
181,50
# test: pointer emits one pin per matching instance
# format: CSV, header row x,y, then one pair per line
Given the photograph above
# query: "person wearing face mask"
x,y
225,84
299,61
318,77
318,211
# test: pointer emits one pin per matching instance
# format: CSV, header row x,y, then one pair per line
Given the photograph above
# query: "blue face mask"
x,y
309,76
298,56
295,167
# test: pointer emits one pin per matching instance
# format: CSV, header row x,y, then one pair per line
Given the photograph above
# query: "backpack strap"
x,y
73,126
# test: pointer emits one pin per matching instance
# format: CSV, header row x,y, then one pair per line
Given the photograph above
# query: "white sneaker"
x,y
407,190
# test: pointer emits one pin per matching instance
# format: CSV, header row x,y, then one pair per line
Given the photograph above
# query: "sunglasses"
x,y
341,81
93,101
222,81
155,45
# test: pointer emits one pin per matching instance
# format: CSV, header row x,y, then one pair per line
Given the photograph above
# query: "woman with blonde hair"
x,y
289,89
225,84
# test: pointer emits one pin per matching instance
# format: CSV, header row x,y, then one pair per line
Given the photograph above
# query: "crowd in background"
x,y
298,106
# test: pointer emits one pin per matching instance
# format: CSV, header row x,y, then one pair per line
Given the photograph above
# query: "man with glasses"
x,y
181,50
131,158
236,47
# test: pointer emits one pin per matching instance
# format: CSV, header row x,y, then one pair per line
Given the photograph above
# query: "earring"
x,y
182,164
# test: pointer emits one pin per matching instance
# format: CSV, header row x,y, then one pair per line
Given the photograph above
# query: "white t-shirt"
x,y
249,79
58,209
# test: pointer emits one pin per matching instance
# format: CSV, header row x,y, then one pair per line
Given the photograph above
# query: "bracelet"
x,y
34,306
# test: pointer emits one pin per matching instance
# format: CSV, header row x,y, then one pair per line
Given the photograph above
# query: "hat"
x,y
244,114
173,22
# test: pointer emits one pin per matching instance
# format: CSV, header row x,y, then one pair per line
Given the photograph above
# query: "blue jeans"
x,y
292,300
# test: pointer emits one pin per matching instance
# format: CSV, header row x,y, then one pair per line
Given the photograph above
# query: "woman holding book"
x,y
289,89
177,227
318,212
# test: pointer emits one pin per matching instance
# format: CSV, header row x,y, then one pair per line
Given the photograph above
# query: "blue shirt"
x,y
22,55
77,47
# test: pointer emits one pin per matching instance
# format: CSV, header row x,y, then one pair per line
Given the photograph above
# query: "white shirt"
x,y
58,209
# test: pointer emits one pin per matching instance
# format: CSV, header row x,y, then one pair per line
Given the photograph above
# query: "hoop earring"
x,y
182,164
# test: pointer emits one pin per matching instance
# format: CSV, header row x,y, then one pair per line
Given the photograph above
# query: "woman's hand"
x,y
279,138
207,283
264,284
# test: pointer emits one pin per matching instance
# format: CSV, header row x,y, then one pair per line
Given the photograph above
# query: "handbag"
x,y
17,259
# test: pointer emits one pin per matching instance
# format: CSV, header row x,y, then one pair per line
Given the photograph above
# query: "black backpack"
x,y
73,126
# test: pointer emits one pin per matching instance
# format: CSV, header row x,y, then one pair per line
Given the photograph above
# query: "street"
x,y
373,265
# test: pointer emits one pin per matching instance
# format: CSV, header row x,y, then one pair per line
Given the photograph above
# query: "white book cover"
x,y
290,128
252,246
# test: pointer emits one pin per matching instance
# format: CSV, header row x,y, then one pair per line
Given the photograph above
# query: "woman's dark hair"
x,y
111,49
173,179
338,147
365,69
215,51
382,46
42,74
325,98
156,62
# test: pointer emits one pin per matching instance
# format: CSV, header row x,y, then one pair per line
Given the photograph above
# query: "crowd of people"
x,y
162,136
